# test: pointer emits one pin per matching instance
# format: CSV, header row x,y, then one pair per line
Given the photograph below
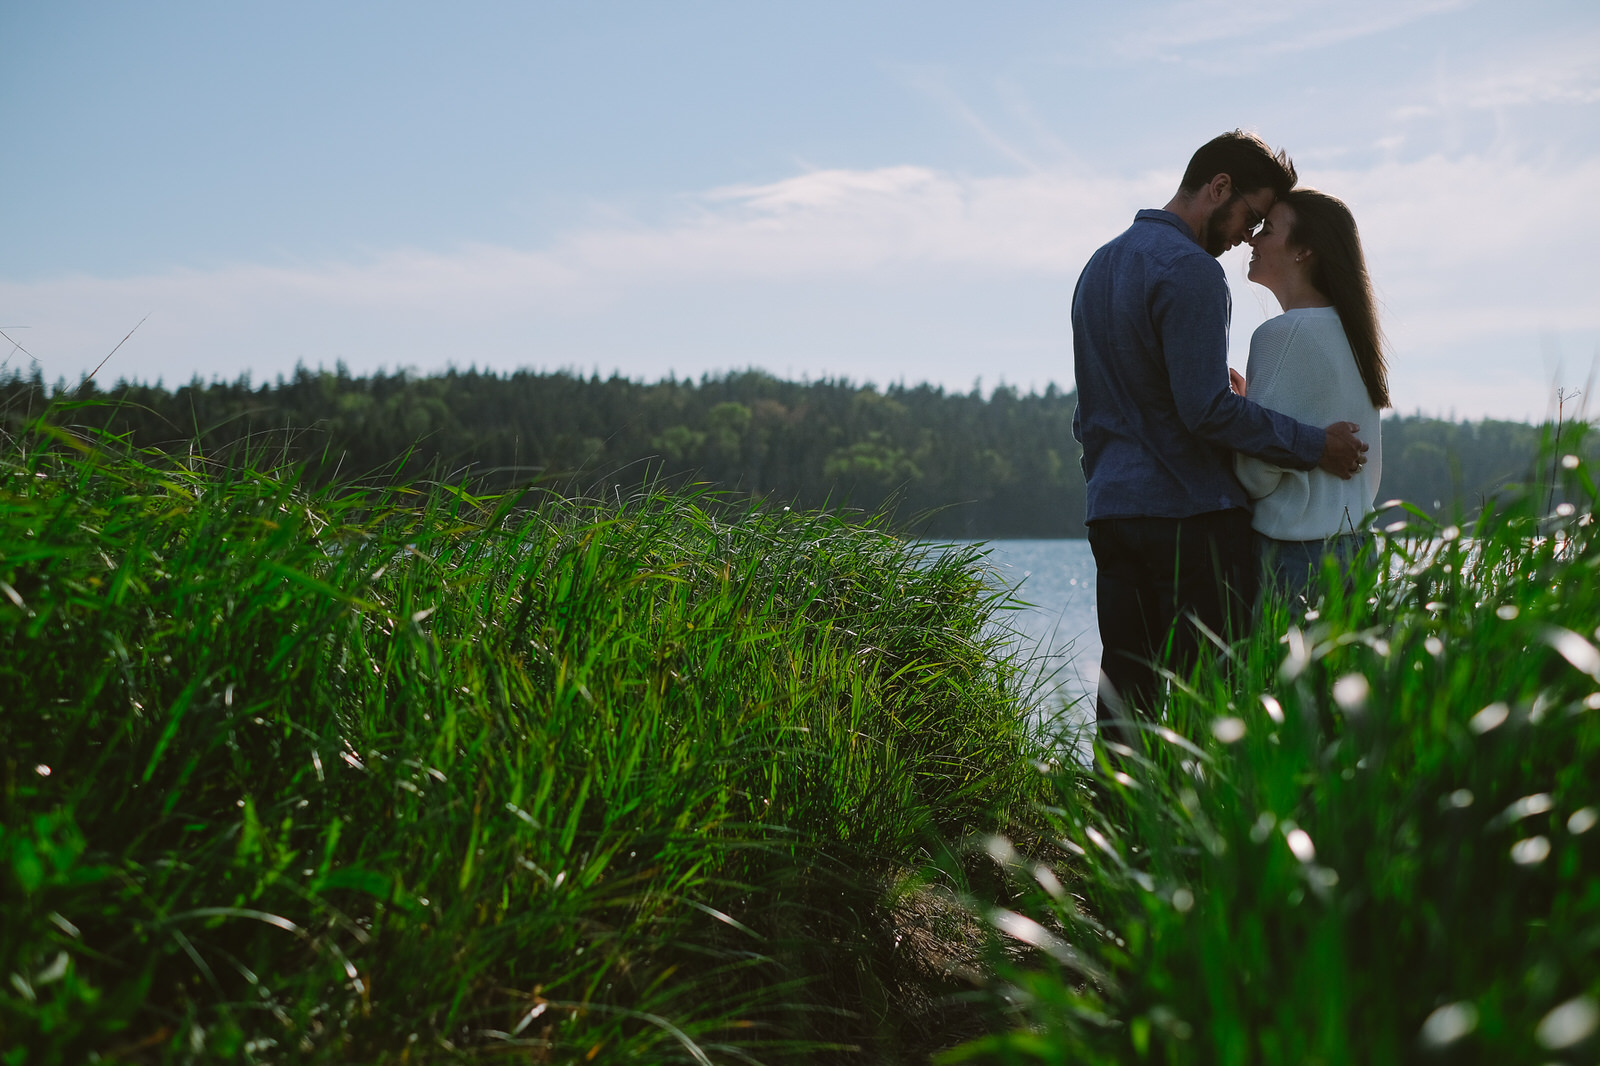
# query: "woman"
x,y
1320,361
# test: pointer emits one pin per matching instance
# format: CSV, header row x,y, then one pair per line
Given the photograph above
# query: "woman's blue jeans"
x,y
1288,567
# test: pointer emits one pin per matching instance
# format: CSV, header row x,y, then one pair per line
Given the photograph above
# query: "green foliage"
x,y
417,774
1451,470
430,772
1372,837
957,465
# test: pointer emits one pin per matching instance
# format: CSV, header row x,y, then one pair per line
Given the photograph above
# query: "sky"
x,y
879,191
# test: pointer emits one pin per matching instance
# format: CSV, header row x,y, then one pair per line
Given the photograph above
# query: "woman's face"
x,y
1272,257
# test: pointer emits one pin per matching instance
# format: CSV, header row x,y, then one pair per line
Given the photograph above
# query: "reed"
x,y
414,774
1367,837
417,774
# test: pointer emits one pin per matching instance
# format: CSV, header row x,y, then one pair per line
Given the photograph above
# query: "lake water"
x,y
1057,630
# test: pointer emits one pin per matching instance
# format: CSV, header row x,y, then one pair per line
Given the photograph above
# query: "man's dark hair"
x,y
1246,159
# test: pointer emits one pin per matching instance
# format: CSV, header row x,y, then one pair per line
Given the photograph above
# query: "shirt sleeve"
x,y
1190,308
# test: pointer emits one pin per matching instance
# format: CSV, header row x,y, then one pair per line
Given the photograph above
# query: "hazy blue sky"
x,y
882,191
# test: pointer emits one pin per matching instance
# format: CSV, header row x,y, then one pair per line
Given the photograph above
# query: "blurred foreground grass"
x,y
1375,839
409,775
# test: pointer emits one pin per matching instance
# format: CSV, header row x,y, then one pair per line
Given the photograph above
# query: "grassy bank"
x,y
411,775
1372,839
416,776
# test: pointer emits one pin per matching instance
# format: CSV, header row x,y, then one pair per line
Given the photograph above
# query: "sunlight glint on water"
x,y
1059,630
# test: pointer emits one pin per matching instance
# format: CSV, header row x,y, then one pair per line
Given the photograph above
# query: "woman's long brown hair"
x,y
1324,226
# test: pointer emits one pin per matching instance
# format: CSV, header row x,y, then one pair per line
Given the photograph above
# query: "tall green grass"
x,y
1367,838
416,775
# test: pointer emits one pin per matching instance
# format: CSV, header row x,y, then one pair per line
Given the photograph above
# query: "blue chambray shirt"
x,y
1156,418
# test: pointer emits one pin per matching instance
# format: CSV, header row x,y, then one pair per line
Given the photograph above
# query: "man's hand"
x,y
1343,453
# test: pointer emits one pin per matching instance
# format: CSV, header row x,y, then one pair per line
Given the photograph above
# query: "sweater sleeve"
x,y
1269,345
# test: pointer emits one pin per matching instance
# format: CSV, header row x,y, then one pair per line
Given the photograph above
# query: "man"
x,y
1169,524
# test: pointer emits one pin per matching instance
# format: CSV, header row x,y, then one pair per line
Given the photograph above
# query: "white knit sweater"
x,y
1301,364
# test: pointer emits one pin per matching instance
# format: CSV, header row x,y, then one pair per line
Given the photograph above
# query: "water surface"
x,y
1057,629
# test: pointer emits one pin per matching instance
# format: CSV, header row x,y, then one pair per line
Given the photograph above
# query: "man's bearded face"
x,y
1223,221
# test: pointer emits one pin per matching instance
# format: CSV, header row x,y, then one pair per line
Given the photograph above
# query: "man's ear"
x,y
1220,187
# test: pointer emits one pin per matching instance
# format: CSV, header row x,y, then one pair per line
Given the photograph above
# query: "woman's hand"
x,y
1236,381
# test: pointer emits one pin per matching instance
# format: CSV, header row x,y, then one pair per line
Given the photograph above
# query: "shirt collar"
x,y
1156,214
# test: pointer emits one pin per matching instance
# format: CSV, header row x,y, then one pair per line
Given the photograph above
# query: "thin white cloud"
x,y
899,272
1020,106
895,226
1268,27
1552,70
932,84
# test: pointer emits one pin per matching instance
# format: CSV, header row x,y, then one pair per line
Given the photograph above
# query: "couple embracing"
x,y
1203,486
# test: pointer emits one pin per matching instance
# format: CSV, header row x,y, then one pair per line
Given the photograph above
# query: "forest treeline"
x,y
949,464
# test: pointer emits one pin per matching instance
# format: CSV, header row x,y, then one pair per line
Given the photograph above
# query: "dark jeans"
x,y
1154,578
